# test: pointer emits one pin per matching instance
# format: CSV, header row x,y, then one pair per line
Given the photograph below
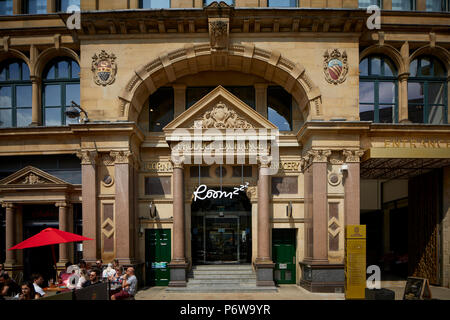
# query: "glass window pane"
x,y
36,6
72,94
5,118
245,93
52,116
401,5
6,7
228,2
436,115
279,120
386,113
5,97
282,3
386,92
413,68
389,68
367,3
439,70
23,96
14,71
24,117
366,112
415,92
63,70
156,4
25,71
53,95
435,5
366,92
425,67
161,109
435,93
193,94
75,70
64,4
364,67
279,104
3,73
51,73
375,64
415,113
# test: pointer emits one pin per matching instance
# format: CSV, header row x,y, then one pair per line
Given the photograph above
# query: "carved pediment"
x,y
220,109
31,176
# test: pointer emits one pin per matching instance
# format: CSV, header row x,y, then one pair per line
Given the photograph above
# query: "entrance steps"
x,y
222,278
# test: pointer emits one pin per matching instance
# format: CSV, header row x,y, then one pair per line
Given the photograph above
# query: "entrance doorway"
x,y
283,253
157,256
221,230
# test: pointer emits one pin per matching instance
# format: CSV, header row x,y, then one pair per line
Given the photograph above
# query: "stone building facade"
x,y
362,116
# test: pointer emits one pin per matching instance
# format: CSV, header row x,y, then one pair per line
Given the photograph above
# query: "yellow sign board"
x,y
355,261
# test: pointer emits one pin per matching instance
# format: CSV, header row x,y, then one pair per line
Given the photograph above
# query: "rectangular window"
x,y
427,102
35,6
161,109
62,5
242,171
154,4
282,3
6,7
208,2
436,5
368,3
195,171
244,93
157,185
284,185
404,5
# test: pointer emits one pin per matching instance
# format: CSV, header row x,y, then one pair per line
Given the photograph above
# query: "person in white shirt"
x,y
38,280
109,272
129,286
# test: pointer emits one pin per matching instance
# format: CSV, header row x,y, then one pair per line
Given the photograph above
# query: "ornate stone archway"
x,y
192,59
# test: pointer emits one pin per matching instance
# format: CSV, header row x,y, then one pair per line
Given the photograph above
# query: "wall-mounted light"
x,y
289,210
152,209
74,111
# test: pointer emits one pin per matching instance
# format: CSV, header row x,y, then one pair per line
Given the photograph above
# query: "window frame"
x,y
13,84
58,6
26,8
426,80
12,10
445,6
377,79
291,120
289,6
141,5
231,5
413,6
62,82
380,5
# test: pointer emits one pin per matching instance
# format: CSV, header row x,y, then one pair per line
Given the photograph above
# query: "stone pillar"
x,y
261,98
179,95
403,98
63,226
10,260
35,103
263,263
123,206
178,265
352,187
89,205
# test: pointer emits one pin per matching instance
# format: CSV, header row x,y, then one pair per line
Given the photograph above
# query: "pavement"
x,y
285,292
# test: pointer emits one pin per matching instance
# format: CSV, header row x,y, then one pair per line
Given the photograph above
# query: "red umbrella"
x,y
47,237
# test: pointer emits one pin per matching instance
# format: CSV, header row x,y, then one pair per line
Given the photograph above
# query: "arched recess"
x,y
12,53
193,59
439,52
47,55
388,51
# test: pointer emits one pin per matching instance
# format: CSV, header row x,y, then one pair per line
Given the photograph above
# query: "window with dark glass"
x,y
378,90
437,5
161,108
244,93
368,3
199,171
34,6
6,7
208,2
242,171
62,5
427,91
282,3
279,108
404,5
15,94
154,4
61,86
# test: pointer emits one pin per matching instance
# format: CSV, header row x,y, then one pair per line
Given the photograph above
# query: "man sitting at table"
x,y
64,275
129,285
93,279
38,281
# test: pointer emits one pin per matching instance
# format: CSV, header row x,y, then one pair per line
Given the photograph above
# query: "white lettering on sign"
x,y
203,193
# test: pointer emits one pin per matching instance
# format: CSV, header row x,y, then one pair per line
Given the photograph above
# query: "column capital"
x,y
62,204
352,155
319,155
403,76
264,161
179,86
35,79
8,205
261,86
177,162
122,156
87,156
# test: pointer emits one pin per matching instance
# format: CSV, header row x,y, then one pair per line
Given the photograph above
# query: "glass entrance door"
x,y
222,242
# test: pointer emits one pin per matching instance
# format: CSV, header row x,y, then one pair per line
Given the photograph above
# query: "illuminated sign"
x,y
203,193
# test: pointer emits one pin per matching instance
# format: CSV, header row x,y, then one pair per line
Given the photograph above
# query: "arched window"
x,y
61,86
62,5
279,108
427,91
161,108
34,6
15,94
378,90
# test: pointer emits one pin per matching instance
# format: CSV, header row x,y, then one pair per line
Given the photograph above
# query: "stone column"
x,y
63,226
10,260
263,263
123,206
352,187
35,102
179,96
178,264
261,98
403,97
89,205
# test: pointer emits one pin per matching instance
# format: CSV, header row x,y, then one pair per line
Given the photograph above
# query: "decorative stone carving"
x,y
123,156
335,66
8,205
33,179
177,161
264,161
87,156
218,33
61,204
334,178
319,155
251,193
221,117
104,68
352,155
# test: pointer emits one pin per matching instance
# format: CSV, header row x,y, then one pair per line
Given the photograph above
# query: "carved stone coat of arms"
x,y
335,66
220,117
104,68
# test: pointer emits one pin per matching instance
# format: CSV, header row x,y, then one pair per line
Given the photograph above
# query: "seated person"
x,y
64,275
27,292
8,287
109,272
129,286
38,281
93,279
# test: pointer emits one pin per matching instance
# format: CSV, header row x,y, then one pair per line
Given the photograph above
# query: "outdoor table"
x,y
56,289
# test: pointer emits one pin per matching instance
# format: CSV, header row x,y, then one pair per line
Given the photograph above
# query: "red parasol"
x,y
47,237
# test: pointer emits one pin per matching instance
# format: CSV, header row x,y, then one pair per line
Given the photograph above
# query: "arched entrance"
x,y
221,229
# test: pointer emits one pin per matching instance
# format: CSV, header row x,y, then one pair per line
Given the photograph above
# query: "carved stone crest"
x,y
220,117
218,33
104,68
335,66
33,179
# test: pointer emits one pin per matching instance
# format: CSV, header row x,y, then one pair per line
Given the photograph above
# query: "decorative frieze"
x,y
122,156
352,155
221,117
87,156
219,33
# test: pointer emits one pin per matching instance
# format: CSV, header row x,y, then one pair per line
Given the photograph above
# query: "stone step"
x,y
222,289
223,277
221,273
222,267
220,281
